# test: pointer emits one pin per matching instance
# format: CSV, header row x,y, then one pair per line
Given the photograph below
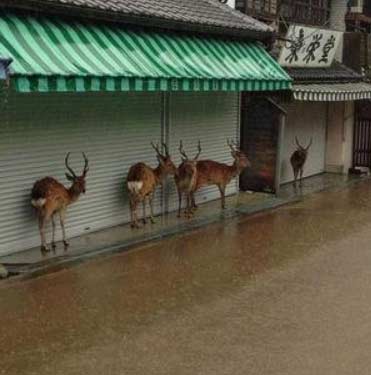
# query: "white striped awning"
x,y
332,92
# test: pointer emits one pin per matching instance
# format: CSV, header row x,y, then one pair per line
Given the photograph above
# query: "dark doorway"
x,y
362,136
260,137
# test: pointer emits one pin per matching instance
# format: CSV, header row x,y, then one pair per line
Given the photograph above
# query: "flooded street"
x,y
284,292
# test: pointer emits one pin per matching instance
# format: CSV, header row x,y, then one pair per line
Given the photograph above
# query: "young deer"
x,y
298,159
210,172
185,178
142,181
50,197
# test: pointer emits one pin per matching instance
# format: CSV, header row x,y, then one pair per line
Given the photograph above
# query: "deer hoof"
x,y
135,225
66,245
54,246
44,249
144,221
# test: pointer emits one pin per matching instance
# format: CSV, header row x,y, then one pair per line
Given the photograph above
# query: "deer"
x,y
50,197
186,177
210,172
298,159
142,180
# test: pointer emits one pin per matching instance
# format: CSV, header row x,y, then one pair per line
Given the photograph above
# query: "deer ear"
x,y
69,177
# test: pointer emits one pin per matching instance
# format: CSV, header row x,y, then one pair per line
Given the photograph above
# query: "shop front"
x,y
109,91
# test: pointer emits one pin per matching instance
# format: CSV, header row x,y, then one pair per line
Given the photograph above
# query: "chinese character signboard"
x,y
231,3
309,47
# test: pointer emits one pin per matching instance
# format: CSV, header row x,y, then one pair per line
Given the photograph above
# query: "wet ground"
x,y
284,292
122,236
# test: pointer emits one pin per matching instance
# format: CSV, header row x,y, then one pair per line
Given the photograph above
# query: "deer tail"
x,y
38,203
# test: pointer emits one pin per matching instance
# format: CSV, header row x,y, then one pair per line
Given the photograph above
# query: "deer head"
x,y
164,160
185,156
301,149
78,182
240,159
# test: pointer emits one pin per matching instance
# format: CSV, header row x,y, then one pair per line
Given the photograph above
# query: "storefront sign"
x,y
309,47
231,3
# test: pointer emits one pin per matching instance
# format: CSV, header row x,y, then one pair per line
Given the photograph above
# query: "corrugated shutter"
x,y
305,120
211,118
36,132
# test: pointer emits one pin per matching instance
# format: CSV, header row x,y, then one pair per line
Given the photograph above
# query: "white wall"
x,y
305,120
337,15
339,152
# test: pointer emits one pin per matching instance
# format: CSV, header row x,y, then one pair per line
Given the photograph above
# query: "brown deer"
x,y
186,177
210,172
298,159
50,197
142,181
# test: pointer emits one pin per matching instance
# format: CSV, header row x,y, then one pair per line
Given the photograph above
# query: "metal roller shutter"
x,y
114,129
305,120
211,118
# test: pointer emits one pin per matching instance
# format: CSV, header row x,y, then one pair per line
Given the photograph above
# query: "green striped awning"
x,y
53,55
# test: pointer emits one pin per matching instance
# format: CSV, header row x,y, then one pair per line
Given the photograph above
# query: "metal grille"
x,y
210,118
362,143
113,129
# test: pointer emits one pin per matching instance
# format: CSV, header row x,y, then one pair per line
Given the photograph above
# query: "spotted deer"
x,y
210,172
142,181
186,177
298,159
50,197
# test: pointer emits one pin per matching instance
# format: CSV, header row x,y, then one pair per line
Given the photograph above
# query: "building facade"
x,y
107,83
326,90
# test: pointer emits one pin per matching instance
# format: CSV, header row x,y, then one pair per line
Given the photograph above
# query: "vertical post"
x,y
238,132
165,137
280,147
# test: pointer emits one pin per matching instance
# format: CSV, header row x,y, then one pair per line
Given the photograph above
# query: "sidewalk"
x,y
121,238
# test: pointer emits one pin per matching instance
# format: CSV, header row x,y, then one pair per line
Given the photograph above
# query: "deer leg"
x,y
144,211
222,193
42,220
134,223
62,217
189,206
194,205
53,233
301,177
180,204
133,205
296,171
151,208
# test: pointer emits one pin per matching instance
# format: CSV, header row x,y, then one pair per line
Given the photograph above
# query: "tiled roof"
x,y
336,73
194,15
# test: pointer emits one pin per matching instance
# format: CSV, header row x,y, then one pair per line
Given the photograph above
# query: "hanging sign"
x,y
309,47
231,3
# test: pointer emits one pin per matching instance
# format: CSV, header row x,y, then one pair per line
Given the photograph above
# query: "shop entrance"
x,y
261,130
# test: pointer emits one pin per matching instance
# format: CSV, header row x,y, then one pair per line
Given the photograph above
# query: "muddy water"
x,y
286,292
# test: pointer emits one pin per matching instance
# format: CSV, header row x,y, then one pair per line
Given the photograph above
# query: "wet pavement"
x,y
121,237
283,292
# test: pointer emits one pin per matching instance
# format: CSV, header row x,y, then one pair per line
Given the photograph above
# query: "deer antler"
x,y
164,145
310,143
68,167
233,145
199,150
156,148
298,143
181,150
230,144
86,166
